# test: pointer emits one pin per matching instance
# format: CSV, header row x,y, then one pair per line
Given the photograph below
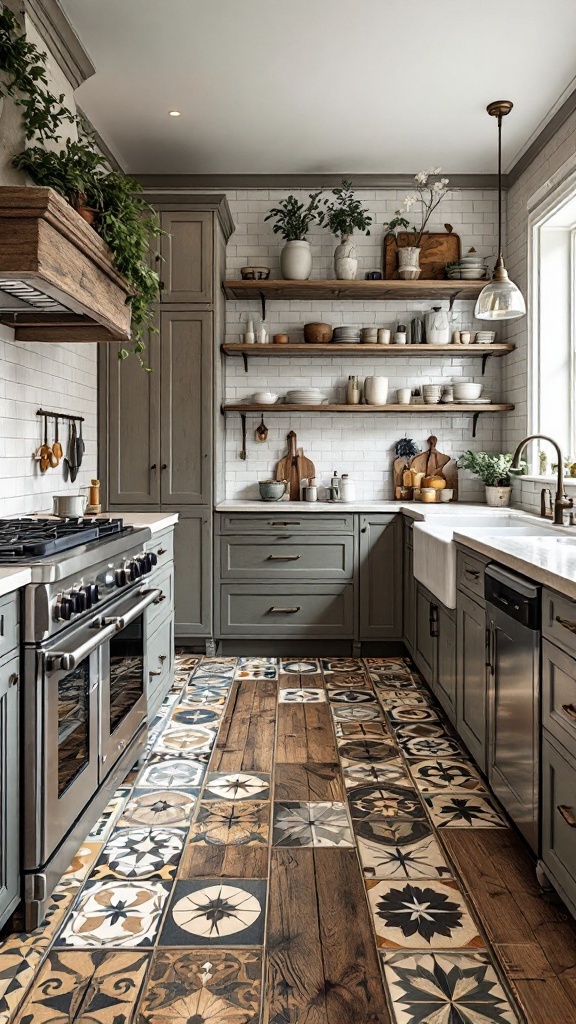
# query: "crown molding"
x,y
175,182
542,139
217,202
61,39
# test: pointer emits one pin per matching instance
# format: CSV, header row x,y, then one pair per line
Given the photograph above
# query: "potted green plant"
x,y
430,191
293,220
494,471
343,215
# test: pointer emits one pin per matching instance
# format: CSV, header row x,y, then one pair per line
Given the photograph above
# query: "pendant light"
x,y
501,299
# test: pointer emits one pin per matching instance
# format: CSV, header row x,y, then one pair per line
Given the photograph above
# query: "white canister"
x,y
403,396
347,488
376,390
383,336
437,326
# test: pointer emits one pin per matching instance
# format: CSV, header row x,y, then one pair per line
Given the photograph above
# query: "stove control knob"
x,y
63,608
92,594
78,599
153,558
135,569
121,577
108,578
145,564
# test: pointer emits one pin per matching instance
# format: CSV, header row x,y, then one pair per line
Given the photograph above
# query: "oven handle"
x,y
120,621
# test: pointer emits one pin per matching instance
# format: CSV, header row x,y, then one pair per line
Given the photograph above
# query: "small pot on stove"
x,y
68,506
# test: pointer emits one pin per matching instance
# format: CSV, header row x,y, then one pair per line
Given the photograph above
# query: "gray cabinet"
x,y
426,631
287,610
471,702
380,577
409,591
559,818
444,684
187,255
132,420
9,787
193,573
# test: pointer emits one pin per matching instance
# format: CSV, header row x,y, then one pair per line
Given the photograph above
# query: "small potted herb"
x,y
343,215
293,220
494,470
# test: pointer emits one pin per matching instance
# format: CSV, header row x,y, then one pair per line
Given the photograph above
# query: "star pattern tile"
x,y
216,912
230,823
421,915
311,824
452,810
237,786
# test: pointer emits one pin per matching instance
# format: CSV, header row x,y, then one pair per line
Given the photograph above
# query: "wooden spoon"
x,y
45,450
57,447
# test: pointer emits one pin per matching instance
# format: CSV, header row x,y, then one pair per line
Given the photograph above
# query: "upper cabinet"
x,y
187,251
133,426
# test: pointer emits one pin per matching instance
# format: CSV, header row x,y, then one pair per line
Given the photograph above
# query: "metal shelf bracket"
x,y
263,304
485,358
243,452
475,418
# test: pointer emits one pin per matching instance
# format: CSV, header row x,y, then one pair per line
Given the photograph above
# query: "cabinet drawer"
x,y
559,620
162,545
9,625
160,659
308,609
559,695
276,521
318,557
559,816
470,574
158,612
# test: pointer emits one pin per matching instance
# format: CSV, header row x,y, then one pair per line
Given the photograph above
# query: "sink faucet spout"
x,y
561,501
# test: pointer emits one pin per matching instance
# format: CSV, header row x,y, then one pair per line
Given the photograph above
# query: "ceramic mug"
x,y
404,395
383,336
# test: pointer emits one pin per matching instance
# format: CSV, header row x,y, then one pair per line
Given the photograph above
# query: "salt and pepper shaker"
x,y
353,391
400,337
249,336
262,335
311,491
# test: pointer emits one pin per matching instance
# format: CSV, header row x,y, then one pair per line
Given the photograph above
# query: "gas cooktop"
x,y
28,539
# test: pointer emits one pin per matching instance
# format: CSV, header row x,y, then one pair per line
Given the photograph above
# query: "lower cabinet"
x,y
434,648
193,574
425,634
380,577
409,591
559,817
472,689
9,787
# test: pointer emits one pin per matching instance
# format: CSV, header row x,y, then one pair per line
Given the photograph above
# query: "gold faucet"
x,y
561,501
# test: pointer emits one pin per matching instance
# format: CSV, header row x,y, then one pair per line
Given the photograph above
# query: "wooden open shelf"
x,y
394,351
453,409
334,290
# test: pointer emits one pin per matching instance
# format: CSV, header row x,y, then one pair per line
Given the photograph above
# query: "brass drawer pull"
x,y
569,710
567,624
283,558
161,551
568,815
285,611
158,672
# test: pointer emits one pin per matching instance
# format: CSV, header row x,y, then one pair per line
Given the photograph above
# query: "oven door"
x,y
123,706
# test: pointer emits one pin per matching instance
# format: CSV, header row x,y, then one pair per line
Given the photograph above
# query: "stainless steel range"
x,y
84,695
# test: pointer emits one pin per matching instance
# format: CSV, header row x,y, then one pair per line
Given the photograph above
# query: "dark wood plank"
x,y
224,862
544,1001
354,990
293,682
295,989
524,961
308,782
320,739
490,856
291,746
246,737
259,749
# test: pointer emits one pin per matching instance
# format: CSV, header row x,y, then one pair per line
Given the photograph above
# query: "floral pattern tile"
x,y
301,696
169,807
450,810
230,823
446,988
82,862
197,716
186,739
392,831
213,912
119,914
393,771
351,697
437,774
311,824
199,696
165,772
361,729
424,730
421,915
223,667
410,715
237,786
222,987
367,750
420,859
304,667
105,985
363,713
432,746
387,801
139,854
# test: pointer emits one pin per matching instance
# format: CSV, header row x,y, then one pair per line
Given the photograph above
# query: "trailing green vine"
x,y
79,173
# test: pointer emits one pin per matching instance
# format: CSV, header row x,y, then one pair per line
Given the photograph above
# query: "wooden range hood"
x,y
57,279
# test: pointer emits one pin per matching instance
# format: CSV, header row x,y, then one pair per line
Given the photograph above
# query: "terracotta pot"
x,y
498,497
87,214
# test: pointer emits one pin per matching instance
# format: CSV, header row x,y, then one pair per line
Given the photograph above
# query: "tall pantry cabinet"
x,y
160,432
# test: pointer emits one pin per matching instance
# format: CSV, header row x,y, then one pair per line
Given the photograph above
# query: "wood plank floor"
x,y
306,844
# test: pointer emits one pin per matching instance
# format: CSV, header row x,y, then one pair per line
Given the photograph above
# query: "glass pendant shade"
x,y
501,299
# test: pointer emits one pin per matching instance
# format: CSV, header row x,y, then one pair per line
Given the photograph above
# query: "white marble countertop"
x,y
547,560
155,521
416,509
12,578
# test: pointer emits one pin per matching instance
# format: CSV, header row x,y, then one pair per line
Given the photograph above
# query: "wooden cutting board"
x,y
306,468
287,468
437,250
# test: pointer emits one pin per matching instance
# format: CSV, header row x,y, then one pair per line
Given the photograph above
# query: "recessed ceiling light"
x,y
174,113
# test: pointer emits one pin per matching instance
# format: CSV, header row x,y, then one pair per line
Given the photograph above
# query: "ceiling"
x,y
317,86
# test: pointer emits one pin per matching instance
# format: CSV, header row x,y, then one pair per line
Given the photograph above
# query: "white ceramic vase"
x,y
437,326
498,497
296,261
345,262
376,390
409,262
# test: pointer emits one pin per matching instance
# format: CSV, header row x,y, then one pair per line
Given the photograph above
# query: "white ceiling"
x,y
288,86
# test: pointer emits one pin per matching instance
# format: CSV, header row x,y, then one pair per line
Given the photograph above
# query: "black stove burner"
x,y
26,539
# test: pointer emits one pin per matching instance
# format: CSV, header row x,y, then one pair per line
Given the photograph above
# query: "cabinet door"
x,y
186,408
409,598
426,632
133,427
380,577
559,817
445,677
472,688
9,790
193,573
186,272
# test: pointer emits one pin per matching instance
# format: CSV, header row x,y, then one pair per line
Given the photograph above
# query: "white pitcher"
x,y
438,326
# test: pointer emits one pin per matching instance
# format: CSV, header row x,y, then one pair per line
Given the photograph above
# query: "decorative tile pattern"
x,y
452,811
393,680
385,802
208,668
447,988
348,681
82,862
237,786
370,751
437,774
205,695
311,824
119,914
138,854
216,913
426,915
393,771
355,714
392,831
109,817
408,698
257,668
426,730
102,986
413,714
331,665
197,716
197,740
171,807
231,824
422,746
305,667
164,772
361,729
351,697
222,987
420,859
303,696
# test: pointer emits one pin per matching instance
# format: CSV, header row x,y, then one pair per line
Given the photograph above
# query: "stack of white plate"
x,y
469,268
347,334
305,396
485,337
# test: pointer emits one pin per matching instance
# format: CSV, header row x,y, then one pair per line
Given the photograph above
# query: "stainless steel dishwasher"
x,y
514,616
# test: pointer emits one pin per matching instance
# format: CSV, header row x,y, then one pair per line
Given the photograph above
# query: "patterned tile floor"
x,y
162,916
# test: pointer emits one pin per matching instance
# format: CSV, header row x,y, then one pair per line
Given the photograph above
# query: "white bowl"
x,y
264,398
467,392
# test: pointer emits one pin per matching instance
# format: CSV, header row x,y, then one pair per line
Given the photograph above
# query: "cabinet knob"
x,y
13,679
164,466
155,673
153,466
364,529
